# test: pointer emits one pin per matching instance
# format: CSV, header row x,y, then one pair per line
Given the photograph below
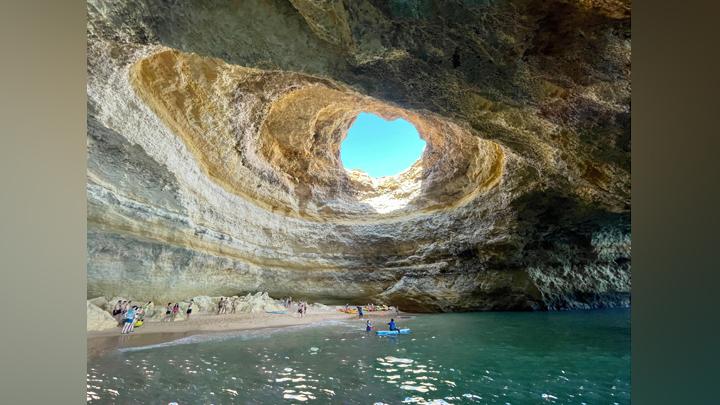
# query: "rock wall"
x,y
214,131
99,319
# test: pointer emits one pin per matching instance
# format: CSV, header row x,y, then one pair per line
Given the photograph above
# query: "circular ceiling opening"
x,y
380,147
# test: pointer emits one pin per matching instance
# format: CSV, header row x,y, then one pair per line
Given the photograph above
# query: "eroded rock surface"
x,y
99,319
214,131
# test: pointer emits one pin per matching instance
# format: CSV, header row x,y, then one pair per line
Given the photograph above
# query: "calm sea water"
x,y
503,358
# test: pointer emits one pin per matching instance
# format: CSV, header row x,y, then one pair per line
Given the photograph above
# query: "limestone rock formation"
x,y
98,319
214,131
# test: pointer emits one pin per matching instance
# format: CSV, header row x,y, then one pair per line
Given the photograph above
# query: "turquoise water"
x,y
515,358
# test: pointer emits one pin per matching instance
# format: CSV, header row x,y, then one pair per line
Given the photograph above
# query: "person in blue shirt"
x,y
129,320
392,325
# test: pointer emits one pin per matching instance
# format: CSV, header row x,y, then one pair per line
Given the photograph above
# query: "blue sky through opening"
x,y
381,148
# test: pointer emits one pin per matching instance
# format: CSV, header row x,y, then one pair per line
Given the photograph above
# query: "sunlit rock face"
x,y
214,132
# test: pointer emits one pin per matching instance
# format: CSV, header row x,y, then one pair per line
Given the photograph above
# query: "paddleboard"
x,y
393,332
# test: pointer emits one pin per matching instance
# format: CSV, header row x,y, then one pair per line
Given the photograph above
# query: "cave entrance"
x,y
380,147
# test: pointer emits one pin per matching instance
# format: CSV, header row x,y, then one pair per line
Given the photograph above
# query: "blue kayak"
x,y
393,332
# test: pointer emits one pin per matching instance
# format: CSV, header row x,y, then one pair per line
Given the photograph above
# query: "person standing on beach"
x,y
117,312
123,310
117,308
234,305
136,314
175,310
189,309
220,305
129,321
168,312
149,307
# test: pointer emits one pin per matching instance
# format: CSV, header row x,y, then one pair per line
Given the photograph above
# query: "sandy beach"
x,y
154,332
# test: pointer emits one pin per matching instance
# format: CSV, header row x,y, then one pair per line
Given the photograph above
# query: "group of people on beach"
x,y
124,311
129,315
226,303
223,306
302,306
172,311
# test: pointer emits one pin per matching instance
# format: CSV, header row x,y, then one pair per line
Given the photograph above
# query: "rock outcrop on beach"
x,y
213,143
99,309
99,319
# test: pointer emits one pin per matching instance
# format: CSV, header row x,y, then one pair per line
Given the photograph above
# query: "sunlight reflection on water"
x,y
493,361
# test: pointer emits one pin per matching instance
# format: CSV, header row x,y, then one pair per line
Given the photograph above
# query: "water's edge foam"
x,y
245,334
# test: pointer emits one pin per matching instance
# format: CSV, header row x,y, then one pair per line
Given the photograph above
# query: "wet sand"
x,y
153,332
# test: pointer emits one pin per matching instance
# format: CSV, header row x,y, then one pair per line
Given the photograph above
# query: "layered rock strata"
x,y
213,152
